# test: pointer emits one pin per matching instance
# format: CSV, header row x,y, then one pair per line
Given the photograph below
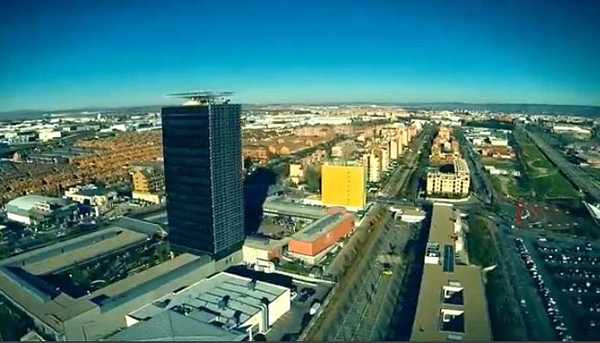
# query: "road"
x,y
364,300
409,165
369,314
352,281
577,176
482,186
521,286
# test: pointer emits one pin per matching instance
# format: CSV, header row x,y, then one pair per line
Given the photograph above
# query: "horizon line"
x,y
308,103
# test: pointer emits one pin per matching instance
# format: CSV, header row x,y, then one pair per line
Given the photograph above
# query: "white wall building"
x,y
99,198
33,209
225,307
47,135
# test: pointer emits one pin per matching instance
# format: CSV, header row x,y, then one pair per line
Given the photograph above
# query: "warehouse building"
x,y
261,252
98,198
37,209
316,240
281,206
172,300
29,282
452,304
224,307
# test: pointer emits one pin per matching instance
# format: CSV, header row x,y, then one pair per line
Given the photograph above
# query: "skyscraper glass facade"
x,y
202,152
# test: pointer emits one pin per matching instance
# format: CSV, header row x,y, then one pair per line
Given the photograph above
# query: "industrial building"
x,y
203,174
449,180
223,307
28,280
183,298
262,251
37,209
452,304
313,242
98,198
46,135
343,185
572,129
281,206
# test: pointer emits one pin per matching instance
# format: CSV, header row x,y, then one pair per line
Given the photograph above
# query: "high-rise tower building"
x,y
385,157
202,159
375,165
393,148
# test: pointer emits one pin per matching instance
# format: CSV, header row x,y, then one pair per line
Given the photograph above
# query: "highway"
x,y
578,177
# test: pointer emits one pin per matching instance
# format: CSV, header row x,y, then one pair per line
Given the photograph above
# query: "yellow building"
x,y
148,183
343,185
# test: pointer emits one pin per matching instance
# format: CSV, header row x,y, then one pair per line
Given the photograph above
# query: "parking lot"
x,y
567,274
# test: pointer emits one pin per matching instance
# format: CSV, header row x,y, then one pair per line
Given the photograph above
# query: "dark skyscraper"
x,y
202,151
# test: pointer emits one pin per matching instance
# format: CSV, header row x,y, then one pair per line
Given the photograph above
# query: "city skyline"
x,y
284,171
74,55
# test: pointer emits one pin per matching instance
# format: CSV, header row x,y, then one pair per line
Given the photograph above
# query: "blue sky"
x,y
70,54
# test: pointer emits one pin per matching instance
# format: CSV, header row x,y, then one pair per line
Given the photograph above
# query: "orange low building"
x,y
312,243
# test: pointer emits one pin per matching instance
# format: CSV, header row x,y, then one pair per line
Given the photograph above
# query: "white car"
x,y
314,308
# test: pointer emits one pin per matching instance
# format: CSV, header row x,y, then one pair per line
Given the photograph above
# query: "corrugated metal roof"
x,y
27,202
174,326
220,298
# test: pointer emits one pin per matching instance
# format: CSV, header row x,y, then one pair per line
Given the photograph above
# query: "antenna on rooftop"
x,y
203,97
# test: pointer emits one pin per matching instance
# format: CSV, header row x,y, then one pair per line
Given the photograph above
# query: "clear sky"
x,y
70,54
